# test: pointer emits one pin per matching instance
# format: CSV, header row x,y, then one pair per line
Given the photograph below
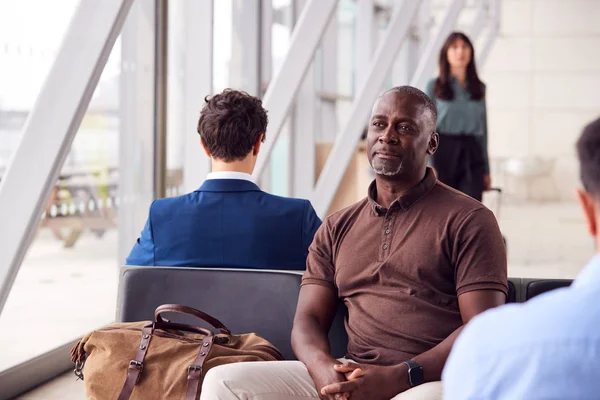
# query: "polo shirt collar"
x,y
405,202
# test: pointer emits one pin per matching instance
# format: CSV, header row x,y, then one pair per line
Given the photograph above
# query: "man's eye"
x,y
377,123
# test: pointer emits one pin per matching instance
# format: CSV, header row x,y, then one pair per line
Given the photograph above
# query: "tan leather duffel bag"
x,y
157,360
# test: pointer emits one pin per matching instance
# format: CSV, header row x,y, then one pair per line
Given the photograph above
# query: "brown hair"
x,y
230,124
588,150
442,87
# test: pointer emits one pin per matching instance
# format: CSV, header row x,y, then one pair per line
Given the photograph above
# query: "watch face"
x,y
416,376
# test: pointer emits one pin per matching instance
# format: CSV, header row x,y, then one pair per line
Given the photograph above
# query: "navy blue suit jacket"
x,y
227,223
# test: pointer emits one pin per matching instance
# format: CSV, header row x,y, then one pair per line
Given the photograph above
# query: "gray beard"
x,y
386,172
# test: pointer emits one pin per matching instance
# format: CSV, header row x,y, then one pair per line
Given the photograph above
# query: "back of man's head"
x,y
588,149
231,124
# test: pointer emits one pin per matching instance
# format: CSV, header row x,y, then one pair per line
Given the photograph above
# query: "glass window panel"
x,y
67,282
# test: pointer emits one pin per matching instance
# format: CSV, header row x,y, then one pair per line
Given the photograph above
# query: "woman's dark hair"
x,y
442,88
230,124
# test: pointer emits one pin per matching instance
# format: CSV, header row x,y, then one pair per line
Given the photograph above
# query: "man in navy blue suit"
x,y
228,221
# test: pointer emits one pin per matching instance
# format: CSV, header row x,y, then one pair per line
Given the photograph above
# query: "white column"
x,y
424,22
266,73
176,84
478,21
197,83
245,46
51,127
266,56
327,128
366,39
136,138
303,130
495,11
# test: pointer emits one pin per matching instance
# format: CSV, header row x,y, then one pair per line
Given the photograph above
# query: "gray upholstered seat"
x,y
259,301
245,300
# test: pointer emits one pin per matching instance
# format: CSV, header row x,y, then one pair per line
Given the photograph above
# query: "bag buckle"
x,y
194,368
79,370
134,364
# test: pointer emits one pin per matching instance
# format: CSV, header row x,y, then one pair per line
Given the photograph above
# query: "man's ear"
x,y
259,141
434,141
588,205
205,148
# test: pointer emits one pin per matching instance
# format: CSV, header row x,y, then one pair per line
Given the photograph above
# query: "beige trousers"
x,y
281,380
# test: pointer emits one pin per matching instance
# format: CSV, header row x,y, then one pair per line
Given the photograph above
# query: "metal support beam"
x,y
428,59
425,22
408,55
303,131
198,78
245,66
280,94
327,108
345,144
495,12
268,17
51,127
136,127
160,98
478,22
365,39
266,44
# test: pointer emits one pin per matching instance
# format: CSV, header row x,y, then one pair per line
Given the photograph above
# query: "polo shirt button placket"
x,y
387,231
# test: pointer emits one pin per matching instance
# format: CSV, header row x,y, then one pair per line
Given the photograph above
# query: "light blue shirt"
x,y
546,348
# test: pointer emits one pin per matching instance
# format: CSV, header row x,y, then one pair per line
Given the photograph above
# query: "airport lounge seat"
x,y
260,301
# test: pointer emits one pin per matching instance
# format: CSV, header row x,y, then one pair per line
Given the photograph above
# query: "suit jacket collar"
x,y
228,185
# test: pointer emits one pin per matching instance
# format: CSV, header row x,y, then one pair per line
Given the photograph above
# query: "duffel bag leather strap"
x,y
137,364
178,308
194,378
181,327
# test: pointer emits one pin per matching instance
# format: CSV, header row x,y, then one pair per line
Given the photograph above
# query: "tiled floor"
x,y
544,240
66,291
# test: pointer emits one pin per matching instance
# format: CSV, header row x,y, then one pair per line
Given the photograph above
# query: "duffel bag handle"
x,y
181,327
178,308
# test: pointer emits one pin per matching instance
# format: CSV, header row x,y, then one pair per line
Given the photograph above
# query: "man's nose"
x,y
388,137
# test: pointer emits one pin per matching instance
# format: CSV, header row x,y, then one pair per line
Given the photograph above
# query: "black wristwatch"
x,y
415,373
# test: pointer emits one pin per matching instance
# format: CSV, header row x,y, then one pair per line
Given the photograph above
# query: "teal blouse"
x,y
461,115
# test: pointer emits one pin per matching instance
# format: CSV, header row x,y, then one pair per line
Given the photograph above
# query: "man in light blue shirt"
x,y
549,347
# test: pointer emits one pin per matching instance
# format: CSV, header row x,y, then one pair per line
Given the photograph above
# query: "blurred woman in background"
x,y
461,160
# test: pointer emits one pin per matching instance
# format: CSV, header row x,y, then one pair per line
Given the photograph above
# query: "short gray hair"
x,y
421,97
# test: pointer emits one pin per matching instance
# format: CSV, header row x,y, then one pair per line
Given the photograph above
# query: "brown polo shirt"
x,y
400,270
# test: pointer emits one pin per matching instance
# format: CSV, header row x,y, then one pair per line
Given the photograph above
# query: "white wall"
x,y
543,78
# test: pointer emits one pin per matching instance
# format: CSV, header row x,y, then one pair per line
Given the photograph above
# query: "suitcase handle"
x,y
498,201
181,309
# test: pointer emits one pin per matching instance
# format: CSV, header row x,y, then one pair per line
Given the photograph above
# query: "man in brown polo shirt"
x,y
413,262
